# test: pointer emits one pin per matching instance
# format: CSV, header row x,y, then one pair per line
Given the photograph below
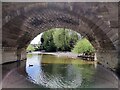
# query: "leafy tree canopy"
x,y
59,39
83,46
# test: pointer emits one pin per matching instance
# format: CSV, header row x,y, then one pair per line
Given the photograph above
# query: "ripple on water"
x,y
71,80
55,74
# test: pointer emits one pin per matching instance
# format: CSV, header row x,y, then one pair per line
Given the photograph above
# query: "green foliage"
x,y
36,47
48,43
61,39
83,46
64,39
58,39
73,38
30,48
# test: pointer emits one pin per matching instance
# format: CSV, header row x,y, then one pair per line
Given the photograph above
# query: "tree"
x,y
47,41
64,39
73,38
83,46
30,48
58,39
61,39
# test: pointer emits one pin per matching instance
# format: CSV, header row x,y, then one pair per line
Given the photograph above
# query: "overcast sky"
x,y
36,40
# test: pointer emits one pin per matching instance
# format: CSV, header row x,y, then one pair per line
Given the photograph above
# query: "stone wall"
x,y
8,55
12,54
108,58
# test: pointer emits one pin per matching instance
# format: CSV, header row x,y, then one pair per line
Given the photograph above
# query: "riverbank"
x,y
67,55
64,54
59,54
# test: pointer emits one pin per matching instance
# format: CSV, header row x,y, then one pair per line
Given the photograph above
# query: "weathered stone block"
x,y
108,58
114,24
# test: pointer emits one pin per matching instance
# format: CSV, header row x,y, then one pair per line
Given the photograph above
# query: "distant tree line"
x,y
60,39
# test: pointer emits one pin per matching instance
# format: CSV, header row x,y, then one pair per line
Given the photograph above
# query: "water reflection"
x,y
56,72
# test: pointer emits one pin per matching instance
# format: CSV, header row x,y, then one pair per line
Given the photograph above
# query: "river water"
x,y
49,71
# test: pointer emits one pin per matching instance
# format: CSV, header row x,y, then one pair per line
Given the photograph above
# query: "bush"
x,y
83,46
30,48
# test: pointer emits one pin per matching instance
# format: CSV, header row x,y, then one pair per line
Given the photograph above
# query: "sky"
x,y
36,40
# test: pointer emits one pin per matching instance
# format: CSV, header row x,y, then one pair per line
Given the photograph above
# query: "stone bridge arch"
x,y
23,21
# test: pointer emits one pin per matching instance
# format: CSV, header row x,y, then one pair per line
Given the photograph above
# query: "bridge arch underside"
x,y
25,21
